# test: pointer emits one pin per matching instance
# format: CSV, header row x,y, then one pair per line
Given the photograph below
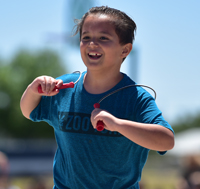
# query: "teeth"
x,y
94,54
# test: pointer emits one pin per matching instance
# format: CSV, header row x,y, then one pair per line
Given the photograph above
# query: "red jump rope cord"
x,y
100,125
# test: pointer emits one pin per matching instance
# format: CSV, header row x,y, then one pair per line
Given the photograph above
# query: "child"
x,y
86,158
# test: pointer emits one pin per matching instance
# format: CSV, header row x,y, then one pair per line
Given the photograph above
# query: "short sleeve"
x,y
148,112
45,111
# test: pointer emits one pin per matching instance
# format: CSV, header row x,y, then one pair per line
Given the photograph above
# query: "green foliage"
x,y
15,76
187,122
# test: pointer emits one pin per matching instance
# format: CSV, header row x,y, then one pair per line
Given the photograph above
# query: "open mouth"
x,y
94,55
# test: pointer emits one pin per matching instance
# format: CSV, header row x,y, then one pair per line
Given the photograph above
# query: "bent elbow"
x,y
168,142
169,145
24,111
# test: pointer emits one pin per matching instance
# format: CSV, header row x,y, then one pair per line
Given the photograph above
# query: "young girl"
x,y
113,158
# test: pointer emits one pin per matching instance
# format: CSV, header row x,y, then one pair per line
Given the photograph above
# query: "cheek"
x,y
82,51
81,48
115,52
83,45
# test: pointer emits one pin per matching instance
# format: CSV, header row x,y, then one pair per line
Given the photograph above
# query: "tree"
x,y
187,122
15,76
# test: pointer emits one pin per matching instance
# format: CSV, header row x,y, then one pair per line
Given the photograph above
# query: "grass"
x,y
157,179
29,182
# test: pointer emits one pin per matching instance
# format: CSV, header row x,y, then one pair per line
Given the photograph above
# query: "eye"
x,y
103,38
85,37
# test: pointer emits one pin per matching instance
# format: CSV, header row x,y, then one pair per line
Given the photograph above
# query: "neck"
x,y
97,83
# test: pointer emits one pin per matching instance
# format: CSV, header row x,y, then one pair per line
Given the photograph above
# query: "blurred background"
x,y
36,39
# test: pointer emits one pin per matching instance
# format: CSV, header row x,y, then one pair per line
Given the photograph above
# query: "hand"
x,y
108,119
47,84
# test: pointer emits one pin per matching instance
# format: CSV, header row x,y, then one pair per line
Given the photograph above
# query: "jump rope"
x,y
100,125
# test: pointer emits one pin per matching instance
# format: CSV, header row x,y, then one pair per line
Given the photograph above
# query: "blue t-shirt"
x,y
86,158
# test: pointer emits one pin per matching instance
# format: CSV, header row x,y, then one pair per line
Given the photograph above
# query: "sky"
x,y
167,44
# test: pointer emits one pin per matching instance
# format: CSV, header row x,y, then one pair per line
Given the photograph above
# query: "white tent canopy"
x,y
187,143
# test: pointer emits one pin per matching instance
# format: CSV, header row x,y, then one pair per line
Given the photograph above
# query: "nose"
x,y
93,43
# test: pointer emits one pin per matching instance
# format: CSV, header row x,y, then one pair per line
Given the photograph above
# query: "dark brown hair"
x,y
125,27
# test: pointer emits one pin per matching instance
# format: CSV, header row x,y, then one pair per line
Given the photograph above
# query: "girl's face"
x,y
99,45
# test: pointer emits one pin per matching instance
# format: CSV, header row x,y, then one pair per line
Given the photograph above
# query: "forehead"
x,y
98,22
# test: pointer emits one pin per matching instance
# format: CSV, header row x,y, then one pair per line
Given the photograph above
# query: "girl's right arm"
x,y
31,97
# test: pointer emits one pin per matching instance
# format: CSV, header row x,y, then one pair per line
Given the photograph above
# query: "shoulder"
x,y
72,77
127,80
141,91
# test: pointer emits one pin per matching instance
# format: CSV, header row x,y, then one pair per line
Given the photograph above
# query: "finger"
x,y
59,82
92,119
43,84
93,122
47,85
52,85
95,116
52,93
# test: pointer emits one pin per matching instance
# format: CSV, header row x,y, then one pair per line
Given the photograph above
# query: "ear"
x,y
126,49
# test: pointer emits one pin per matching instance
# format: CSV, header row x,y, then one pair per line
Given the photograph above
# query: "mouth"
x,y
94,55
